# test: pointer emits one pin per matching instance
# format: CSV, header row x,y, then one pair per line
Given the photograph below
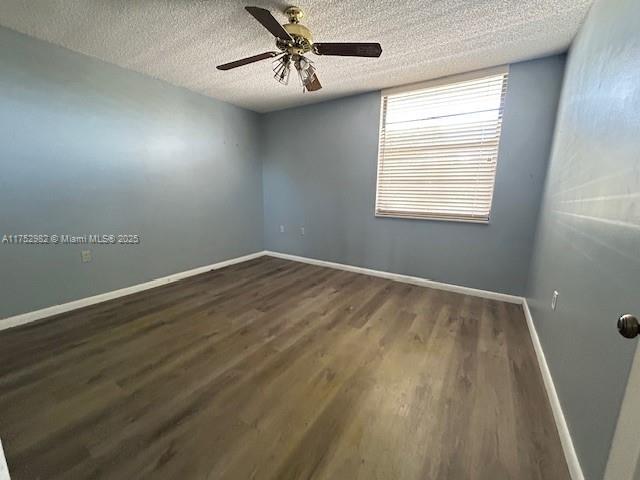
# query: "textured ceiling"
x,y
182,41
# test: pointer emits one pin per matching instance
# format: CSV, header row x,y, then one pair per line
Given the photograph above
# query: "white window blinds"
x,y
439,147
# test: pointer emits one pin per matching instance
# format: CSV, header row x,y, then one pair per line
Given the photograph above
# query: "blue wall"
x,y
322,176
87,147
588,244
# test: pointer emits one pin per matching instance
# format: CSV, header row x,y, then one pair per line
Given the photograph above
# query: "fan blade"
x,y
247,61
269,22
314,84
348,49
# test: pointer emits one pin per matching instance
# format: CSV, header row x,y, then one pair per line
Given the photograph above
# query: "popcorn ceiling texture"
x,y
182,41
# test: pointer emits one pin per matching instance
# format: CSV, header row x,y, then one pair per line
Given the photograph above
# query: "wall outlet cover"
x,y
281,228
86,256
554,300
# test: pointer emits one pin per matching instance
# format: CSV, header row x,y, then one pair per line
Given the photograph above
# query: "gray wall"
x,y
88,147
322,176
588,245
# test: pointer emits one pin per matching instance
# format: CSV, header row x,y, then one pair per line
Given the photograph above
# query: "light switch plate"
x,y
86,256
281,228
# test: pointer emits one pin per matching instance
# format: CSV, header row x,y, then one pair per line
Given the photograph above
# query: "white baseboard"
x,y
103,297
422,282
575,470
4,469
29,317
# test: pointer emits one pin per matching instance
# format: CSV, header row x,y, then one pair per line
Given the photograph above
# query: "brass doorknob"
x,y
628,326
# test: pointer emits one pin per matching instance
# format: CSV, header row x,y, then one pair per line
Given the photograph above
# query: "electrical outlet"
x,y
554,300
281,228
86,256
302,231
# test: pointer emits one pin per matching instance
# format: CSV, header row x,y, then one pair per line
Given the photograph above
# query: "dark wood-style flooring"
x,y
272,369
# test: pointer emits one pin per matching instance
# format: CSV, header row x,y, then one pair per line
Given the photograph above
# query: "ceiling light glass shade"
x,y
306,71
282,69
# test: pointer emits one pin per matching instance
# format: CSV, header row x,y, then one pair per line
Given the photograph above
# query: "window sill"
x,y
479,221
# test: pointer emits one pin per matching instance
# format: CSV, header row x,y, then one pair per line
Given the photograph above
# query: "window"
x,y
439,148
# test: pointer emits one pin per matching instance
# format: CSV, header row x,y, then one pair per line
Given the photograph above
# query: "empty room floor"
x,y
272,369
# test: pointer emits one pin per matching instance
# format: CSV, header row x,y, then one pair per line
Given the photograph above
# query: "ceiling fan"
x,y
293,40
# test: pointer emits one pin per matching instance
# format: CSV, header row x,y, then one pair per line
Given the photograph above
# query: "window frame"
x,y
451,79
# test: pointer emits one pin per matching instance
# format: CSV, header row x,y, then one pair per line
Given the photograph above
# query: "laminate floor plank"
x,y
277,370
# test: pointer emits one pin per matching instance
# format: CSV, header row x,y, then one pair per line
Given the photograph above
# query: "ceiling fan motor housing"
x,y
302,39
